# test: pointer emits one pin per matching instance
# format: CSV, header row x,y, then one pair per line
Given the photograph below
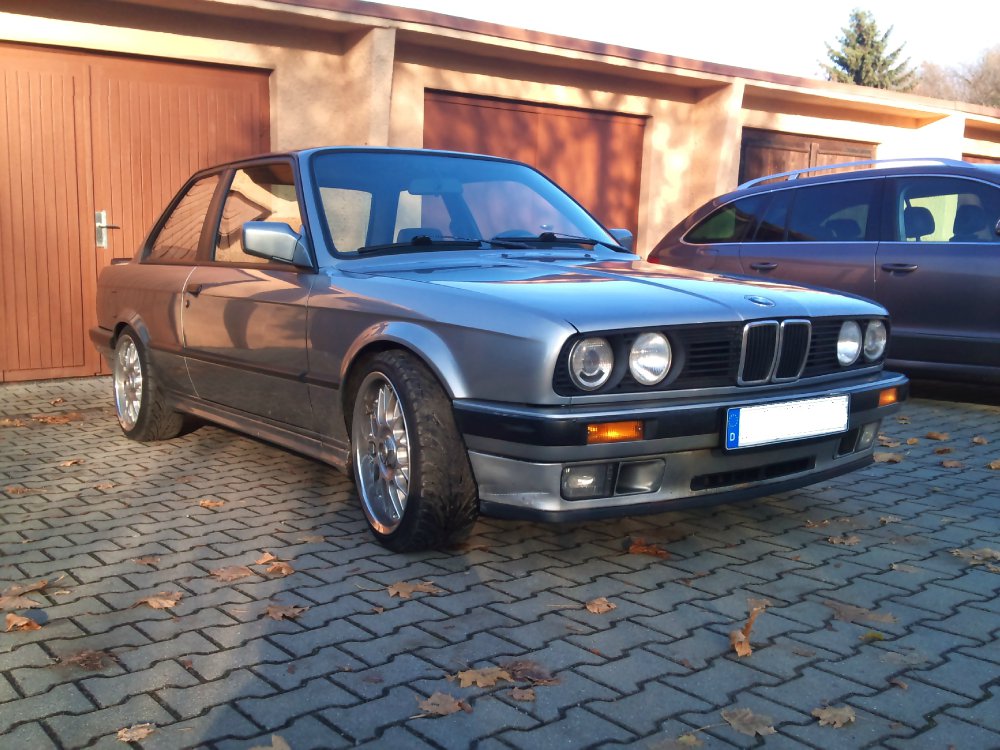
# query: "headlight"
x,y
875,339
649,359
590,363
849,343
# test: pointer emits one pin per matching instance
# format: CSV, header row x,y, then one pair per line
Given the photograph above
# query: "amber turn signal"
x,y
888,396
614,432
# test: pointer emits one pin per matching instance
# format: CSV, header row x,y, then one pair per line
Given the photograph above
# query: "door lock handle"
x,y
899,267
194,290
764,266
101,228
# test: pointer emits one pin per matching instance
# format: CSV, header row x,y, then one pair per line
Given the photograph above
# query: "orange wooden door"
x,y
80,133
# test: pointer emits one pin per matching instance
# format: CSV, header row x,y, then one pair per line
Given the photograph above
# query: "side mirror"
x,y
275,241
623,237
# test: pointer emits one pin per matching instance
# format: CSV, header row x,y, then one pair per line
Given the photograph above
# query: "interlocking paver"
x,y
214,672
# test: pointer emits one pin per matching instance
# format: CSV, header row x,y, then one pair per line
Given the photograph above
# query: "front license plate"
x,y
749,426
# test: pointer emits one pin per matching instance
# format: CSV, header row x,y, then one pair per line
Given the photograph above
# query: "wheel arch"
x,y
134,322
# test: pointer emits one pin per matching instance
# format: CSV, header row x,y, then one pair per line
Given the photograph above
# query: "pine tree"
x,y
863,58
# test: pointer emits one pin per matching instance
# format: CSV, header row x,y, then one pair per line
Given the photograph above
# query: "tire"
x,y
410,465
139,404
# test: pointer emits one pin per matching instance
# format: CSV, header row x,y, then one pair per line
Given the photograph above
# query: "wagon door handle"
x,y
194,290
899,267
764,266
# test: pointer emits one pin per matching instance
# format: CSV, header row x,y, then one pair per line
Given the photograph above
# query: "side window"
x,y
177,240
771,227
946,209
261,193
727,224
835,212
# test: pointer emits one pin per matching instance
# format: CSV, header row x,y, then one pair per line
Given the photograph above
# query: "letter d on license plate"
x,y
749,426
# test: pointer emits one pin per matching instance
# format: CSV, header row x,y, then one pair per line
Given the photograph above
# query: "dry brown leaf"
x,y
284,612
277,743
937,436
161,600
850,613
810,524
58,400
8,422
848,540
150,560
639,546
136,732
442,704
231,573
525,670
26,588
483,678
71,462
525,695
887,458
980,440
913,441
952,464
64,418
834,716
406,589
994,465
92,661
265,558
14,490
978,556
887,442
903,419
745,721
886,520
600,606
740,639
279,570
943,451
206,503
899,683
104,486
16,601
17,622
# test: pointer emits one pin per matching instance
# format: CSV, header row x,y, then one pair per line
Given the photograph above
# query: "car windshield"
x,y
400,201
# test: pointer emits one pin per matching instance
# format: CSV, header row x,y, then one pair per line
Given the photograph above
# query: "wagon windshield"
x,y
425,201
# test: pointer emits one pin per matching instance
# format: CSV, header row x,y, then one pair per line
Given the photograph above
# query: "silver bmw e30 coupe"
x,y
466,338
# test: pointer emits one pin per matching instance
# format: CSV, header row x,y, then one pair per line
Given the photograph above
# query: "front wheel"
x,y
410,465
142,411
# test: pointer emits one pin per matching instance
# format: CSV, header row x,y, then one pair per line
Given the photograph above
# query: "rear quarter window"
x,y
178,238
728,224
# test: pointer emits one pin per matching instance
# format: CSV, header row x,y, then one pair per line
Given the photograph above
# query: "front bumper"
x,y
519,454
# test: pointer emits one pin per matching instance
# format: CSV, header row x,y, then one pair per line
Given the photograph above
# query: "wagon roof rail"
x,y
796,173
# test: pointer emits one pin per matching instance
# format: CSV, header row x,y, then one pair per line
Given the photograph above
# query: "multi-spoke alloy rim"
x,y
381,453
128,383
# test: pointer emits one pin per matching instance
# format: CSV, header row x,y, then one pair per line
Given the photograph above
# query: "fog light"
x,y
614,432
640,476
583,482
888,396
867,437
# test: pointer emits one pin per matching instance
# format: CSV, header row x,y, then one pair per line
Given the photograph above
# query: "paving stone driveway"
x,y
213,671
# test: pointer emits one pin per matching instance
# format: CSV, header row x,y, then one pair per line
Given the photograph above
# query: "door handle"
x,y
763,266
101,228
899,267
194,290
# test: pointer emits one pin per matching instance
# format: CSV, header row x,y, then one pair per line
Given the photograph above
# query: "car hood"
x,y
592,293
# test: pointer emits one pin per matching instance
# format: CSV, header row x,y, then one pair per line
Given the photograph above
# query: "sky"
x,y
780,36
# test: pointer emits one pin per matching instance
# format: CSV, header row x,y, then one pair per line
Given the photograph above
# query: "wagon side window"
x,y
178,238
265,192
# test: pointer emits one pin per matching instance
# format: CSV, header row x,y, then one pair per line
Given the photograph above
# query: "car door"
x,y
819,235
244,317
938,272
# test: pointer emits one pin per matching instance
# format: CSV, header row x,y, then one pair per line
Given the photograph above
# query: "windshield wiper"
x,y
572,238
442,243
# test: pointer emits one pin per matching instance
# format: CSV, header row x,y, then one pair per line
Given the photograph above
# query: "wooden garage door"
x,y
765,152
596,156
81,133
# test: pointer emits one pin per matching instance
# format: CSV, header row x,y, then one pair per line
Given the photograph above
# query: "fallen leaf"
x,y
92,661
745,721
870,636
284,612
17,622
265,558
136,732
887,442
71,462
483,678
887,458
817,524
885,520
911,658
8,422
937,436
58,400
689,740
104,486
850,613
525,695
277,743
834,716
161,600
977,556
15,601
312,539
64,418
378,610
899,683
15,490
639,546
405,589
600,605
740,639
279,570
904,568
26,588
150,560
913,441
845,539
943,451
980,440
952,464
525,670
232,573
206,503
994,465
442,704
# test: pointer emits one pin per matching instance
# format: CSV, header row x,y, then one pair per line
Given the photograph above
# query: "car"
x,y
463,337
919,236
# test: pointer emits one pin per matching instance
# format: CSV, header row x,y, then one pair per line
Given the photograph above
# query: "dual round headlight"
x,y
592,360
851,343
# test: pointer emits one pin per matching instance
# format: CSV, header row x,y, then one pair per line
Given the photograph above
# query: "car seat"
x,y
918,222
970,221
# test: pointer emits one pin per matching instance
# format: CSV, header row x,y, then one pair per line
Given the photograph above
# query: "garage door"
x,y
596,156
765,152
82,133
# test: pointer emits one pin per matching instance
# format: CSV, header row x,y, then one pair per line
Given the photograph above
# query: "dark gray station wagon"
x,y
461,335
